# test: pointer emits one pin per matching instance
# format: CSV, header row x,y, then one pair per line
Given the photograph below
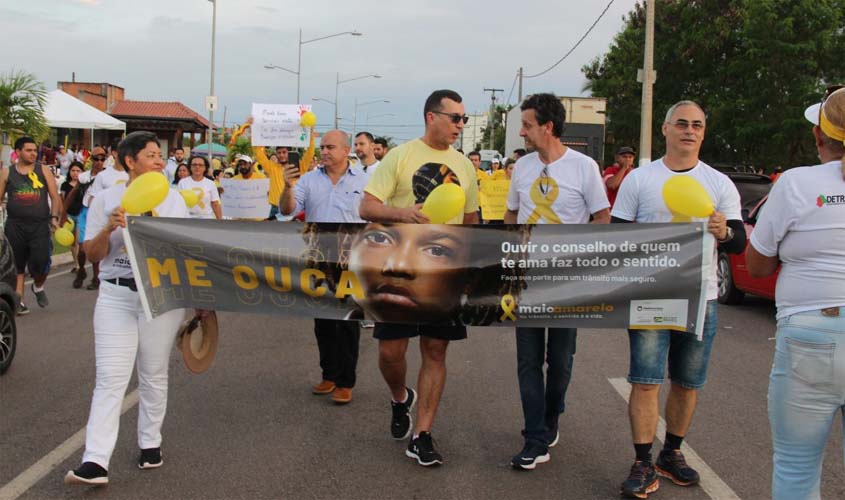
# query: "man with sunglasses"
x,y
104,180
640,200
396,193
552,185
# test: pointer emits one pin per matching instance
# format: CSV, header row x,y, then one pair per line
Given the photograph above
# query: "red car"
x,y
733,278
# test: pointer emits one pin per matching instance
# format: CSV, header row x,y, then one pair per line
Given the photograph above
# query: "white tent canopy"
x,y
65,111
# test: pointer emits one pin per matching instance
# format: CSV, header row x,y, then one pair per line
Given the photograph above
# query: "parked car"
x,y
9,301
733,278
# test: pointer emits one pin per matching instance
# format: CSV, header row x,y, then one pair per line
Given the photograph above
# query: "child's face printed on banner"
x,y
429,176
410,271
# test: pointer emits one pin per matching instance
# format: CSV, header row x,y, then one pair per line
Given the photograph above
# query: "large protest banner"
x,y
638,276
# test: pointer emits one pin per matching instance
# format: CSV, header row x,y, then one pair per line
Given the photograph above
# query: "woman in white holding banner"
x,y
121,332
802,229
207,205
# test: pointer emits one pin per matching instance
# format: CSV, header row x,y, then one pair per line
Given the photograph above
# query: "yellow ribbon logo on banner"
x,y
543,201
508,306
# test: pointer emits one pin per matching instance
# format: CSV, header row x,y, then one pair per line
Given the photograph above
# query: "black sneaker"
x,y
641,481
150,458
422,448
532,453
88,473
22,309
400,424
673,465
94,285
40,297
552,437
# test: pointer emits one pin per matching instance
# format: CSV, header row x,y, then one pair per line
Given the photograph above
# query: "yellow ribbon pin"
x,y
508,306
543,202
36,184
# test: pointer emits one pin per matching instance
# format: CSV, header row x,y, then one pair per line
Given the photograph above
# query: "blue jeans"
x,y
806,392
686,355
542,403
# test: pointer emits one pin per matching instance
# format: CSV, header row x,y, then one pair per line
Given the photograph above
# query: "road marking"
x,y
711,483
18,486
52,275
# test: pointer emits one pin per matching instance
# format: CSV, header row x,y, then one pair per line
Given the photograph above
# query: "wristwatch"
x,y
729,235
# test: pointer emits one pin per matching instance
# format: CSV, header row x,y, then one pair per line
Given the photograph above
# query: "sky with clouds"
x,y
161,50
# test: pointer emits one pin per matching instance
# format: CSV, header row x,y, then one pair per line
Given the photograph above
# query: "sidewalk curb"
x,y
62,259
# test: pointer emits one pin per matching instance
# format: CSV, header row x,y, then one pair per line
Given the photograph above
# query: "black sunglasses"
x,y
454,117
98,158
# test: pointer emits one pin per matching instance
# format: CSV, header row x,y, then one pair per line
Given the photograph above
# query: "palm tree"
x,y
22,102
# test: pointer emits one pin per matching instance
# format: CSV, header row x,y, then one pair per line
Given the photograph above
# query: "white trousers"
x,y
122,335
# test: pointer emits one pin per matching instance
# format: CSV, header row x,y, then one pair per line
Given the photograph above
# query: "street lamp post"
x,y
338,81
355,113
209,132
298,71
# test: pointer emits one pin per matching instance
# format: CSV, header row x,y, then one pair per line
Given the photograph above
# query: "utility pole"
x,y
490,120
223,130
647,77
519,92
210,135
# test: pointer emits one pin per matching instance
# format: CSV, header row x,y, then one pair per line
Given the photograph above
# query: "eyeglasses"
x,y
98,158
682,125
454,117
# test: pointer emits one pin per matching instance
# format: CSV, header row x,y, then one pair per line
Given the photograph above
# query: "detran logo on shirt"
x,y
830,199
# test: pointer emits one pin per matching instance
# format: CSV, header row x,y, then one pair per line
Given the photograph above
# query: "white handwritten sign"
x,y
279,125
245,199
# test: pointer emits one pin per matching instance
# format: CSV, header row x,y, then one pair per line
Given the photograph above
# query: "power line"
x,y
576,44
510,94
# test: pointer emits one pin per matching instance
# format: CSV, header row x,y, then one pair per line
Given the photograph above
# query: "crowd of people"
x,y
800,232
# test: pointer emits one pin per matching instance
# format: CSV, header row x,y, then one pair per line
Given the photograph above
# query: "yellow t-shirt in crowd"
x,y
499,175
408,173
277,183
481,174
256,174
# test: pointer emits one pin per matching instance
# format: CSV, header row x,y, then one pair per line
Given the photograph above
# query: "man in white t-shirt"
x,y
208,198
64,157
552,185
173,163
364,142
640,199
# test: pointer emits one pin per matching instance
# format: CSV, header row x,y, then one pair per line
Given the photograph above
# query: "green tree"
x,y
22,102
243,146
753,65
498,124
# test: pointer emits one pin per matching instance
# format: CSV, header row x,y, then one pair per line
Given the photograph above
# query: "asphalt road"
x,y
249,427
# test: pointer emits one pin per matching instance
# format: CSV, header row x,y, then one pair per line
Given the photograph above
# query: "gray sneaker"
x,y
40,297
22,309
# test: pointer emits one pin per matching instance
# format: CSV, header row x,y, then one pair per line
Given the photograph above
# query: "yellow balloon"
x,y
444,203
309,119
686,196
190,196
145,193
64,237
69,225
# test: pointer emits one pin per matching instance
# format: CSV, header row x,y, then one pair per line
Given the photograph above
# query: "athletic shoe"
x,y
400,424
80,278
365,323
88,473
553,438
40,297
422,448
532,453
150,459
672,464
324,387
22,309
641,481
94,285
